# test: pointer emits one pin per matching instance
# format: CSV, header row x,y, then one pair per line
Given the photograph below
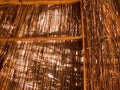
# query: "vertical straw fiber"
x,y
102,38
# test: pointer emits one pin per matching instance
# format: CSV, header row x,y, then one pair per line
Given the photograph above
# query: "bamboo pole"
x,y
41,38
83,45
40,2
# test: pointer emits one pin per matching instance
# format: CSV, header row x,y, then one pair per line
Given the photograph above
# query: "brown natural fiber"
x,y
41,46
102,30
40,2
42,38
43,65
40,21
58,57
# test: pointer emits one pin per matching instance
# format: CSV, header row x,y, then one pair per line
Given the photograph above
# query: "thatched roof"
x,y
37,51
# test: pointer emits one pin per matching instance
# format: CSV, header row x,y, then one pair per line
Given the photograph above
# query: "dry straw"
x,y
102,32
42,49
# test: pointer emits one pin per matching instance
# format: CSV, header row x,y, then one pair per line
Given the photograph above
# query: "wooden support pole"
x,y
39,2
41,38
83,44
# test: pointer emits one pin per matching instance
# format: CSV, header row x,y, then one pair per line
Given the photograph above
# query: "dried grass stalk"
x,y
102,32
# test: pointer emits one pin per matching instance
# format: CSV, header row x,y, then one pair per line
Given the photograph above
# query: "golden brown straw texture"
x,y
41,47
102,32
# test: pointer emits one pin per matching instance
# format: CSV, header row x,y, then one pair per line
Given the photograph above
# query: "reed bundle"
x,y
102,32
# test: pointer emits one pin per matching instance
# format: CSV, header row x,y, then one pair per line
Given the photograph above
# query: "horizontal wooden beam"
x,y
16,2
42,38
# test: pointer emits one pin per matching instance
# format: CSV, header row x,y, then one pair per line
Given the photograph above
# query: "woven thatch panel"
x,y
39,21
41,65
47,65
102,30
